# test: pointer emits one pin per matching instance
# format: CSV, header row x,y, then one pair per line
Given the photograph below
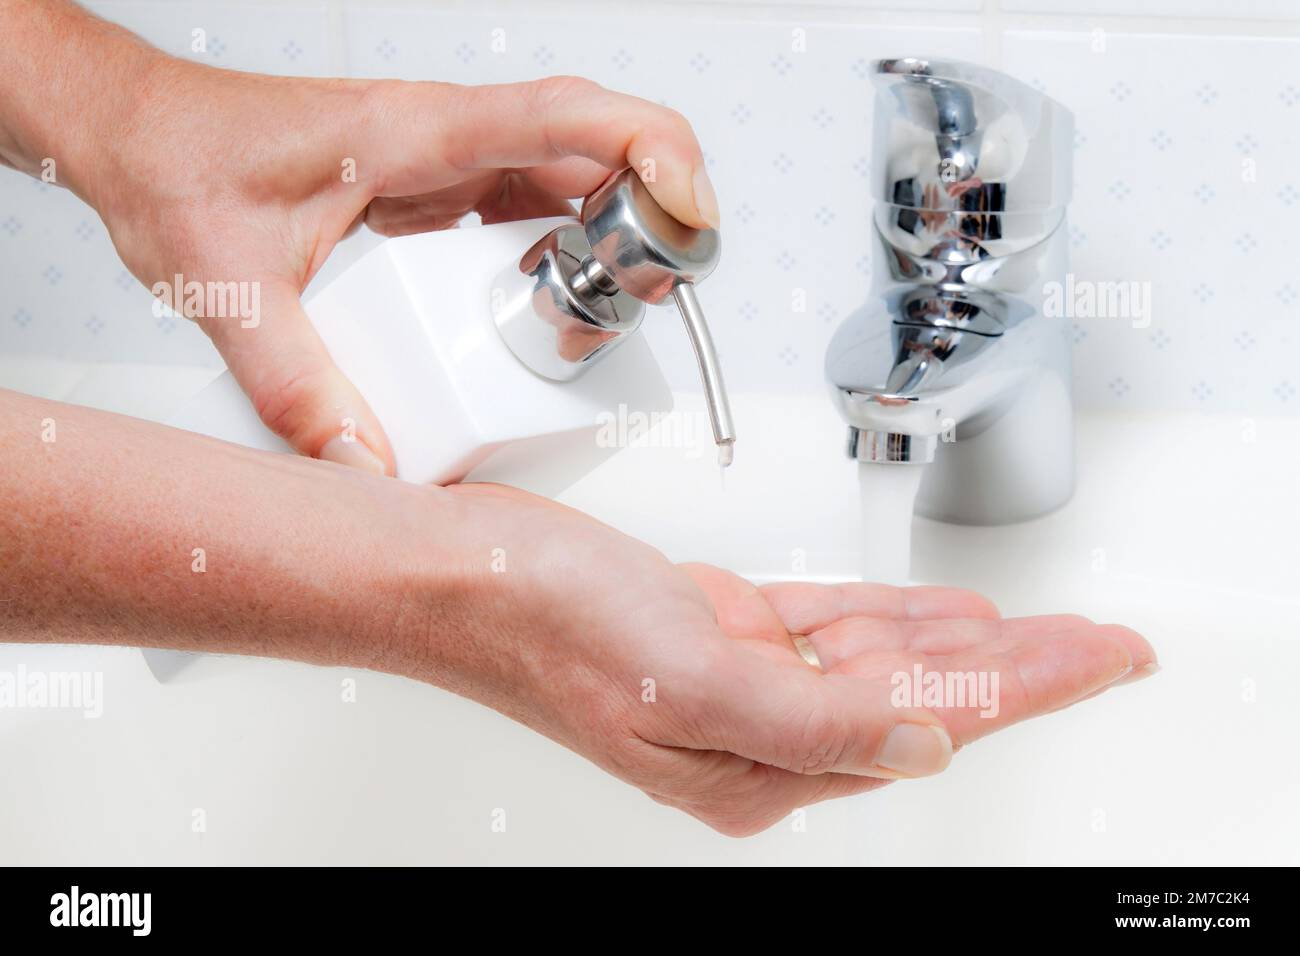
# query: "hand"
x,y
302,162
685,682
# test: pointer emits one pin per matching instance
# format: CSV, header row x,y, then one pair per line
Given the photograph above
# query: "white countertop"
x,y
1184,528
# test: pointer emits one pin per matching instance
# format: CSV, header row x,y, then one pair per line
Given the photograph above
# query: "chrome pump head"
x,y
582,288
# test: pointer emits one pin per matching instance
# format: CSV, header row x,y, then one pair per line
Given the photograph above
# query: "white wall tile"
x,y
1182,179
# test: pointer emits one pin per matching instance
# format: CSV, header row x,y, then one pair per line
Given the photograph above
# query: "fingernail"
x,y
706,200
1132,677
915,750
352,453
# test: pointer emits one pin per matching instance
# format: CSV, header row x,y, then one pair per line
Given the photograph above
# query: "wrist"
x,y
121,145
68,85
421,573
470,586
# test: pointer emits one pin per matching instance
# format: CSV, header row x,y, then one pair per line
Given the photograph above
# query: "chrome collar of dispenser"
x,y
551,312
580,289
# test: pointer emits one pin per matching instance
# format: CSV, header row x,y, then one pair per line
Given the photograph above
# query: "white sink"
x,y
1180,528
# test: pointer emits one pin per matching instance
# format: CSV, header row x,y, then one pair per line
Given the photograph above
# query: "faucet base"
x,y
1018,468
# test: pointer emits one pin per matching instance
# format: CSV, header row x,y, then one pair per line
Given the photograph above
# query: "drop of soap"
x,y
726,454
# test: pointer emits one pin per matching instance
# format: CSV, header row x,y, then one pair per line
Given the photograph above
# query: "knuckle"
x,y
548,97
672,125
679,122
551,90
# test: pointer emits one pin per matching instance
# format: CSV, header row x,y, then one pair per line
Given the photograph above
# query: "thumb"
x,y
282,365
799,719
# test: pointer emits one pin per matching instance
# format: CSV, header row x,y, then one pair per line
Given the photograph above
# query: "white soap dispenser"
x,y
481,363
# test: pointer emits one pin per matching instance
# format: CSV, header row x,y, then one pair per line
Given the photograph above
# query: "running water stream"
x,y
888,494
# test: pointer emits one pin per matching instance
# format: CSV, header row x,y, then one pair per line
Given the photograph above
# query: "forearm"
x,y
66,78
119,531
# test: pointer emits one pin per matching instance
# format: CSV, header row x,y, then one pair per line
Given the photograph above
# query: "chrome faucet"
x,y
953,362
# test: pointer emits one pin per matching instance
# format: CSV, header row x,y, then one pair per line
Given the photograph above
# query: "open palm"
x,y
865,636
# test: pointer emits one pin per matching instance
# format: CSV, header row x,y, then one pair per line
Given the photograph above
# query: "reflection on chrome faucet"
x,y
971,180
